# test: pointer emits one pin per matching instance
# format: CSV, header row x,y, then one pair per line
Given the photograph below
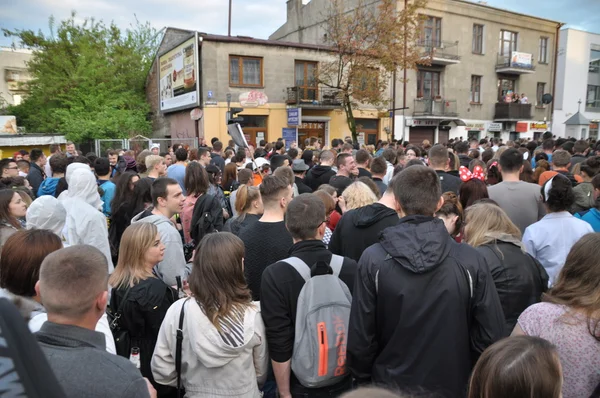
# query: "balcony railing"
x,y
439,52
435,107
508,63
512,111
324,97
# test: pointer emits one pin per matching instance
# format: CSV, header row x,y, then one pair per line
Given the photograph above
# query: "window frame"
x,y
241,59
475,83
477,45
420,83
543,49
436,27
305,88
596,101
514,35
538,97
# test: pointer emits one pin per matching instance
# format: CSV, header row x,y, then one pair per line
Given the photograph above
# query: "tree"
x,y
88,79
369,42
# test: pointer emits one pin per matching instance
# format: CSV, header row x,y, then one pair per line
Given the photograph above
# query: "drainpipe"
x,y
554,69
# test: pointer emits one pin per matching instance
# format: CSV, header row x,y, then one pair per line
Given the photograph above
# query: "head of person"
x,y
217,280
286,173
487,222
561,159
328,201
217,146
557,194
141,249
196,179
390,155
46,212
20,269
471,191
125,184
156,165
23,166
368,181
438,157
596,184
362,158
59,164
248,201
12,207
203,156
167,196
168,158
155,149
358,194
580,147
276,193
520,366
101,167
113,157
330,190
230,175
511,161
417,192
412,153
181,154
346,164
37,156
142,196
245,177
347,148
326,158
462,148
305,218
73,285
451,213
83,186
71,150
378,167
9,168
548,145
590,168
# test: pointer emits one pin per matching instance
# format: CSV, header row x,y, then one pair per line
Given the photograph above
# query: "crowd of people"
x,y
464,269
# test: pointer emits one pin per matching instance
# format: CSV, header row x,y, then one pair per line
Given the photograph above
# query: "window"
x,y
366,83
477,39
543,50
431,32
245,71
506,88
593,97
475,97
541,89
508,42
428,84
595,61
306,80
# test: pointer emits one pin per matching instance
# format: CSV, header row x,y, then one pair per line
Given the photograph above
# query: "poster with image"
x,y
178,77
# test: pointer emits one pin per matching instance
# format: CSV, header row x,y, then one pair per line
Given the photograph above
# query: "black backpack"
x,y
206,218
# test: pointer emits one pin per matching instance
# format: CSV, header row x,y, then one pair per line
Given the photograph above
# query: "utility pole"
x,y
229,25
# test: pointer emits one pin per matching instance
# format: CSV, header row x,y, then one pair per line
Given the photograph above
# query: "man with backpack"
x,y
307,292
424,307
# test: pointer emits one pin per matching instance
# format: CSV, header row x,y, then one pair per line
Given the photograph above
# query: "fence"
x,y
140,143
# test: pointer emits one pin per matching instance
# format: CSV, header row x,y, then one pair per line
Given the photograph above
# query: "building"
x,y
264,77
479,57
577,84
13,63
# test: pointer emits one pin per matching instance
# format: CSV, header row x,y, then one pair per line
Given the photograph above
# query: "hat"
x,y
299,165
260,162
157,146
130,163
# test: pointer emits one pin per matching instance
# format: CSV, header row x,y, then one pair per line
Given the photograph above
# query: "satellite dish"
x,y
547,98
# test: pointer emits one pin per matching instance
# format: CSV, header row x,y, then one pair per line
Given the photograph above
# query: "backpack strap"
x,y
336,264
300,266
178,347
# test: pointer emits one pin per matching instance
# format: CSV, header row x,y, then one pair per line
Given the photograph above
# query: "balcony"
x,y
435,107
517,64
512,112
440,53
324,98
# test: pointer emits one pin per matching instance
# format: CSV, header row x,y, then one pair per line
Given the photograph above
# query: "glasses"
x,y
12,168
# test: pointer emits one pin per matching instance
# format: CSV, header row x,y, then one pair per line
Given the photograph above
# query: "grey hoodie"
x,y
173,263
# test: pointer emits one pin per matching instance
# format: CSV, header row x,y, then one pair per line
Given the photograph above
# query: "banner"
x,y
178,77
8,125
522,60
289,135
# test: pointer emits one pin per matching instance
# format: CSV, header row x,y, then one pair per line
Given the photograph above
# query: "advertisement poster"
x,y
8,125
178,77
289,135
522,60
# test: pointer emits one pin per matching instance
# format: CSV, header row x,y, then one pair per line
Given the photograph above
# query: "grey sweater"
x,y
83,367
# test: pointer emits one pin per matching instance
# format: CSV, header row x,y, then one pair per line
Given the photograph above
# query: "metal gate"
x,y
103,146
140,143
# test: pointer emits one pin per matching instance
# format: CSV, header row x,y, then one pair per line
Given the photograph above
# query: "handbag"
x,y
121,336
178,349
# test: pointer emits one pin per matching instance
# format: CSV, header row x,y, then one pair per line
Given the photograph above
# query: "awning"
x,y
457,122
30,140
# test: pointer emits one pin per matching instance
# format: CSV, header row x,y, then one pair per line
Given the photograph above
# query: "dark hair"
x,y
142,194
378,166
181,154
212,171
527,173
417,190
196,179
548,144
304,215
20,269
561,196
217,146
452,206
362,156
561,158
4,164
327,200
101,166
390,155
79,159
461,147
580,146
487,155
245,175
279,145
591,166
412,162
271,187
59,163
122,192
341,159
596,181
160,188
35,154
307,156
519,366
334,143
511,160
438,156
472,191
6,196
292,153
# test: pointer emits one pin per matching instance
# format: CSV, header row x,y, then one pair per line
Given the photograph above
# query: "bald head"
x,y
71,280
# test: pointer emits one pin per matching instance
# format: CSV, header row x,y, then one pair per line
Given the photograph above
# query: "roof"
x,y
577,120
485,5
251,40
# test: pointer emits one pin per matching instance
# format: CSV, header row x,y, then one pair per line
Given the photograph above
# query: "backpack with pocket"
x,y
206,218
321,334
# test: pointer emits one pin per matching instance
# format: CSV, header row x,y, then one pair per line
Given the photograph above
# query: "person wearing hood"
x,y
520,280
322,173
85,225
167,200
58,165
46,212
70,170
224,345
360,228
424,307
592,217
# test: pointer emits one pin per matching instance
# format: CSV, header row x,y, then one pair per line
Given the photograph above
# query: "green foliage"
x,y
88,79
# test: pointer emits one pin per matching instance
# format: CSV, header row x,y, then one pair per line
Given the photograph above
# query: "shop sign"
x,y
522,127
421,122
494,127
361,138
253,99
538,126
475,126
313,126
522,60
294,116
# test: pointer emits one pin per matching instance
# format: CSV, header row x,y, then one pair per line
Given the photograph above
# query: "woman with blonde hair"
x,y
520,280
358,194
224,343
248,207
139,295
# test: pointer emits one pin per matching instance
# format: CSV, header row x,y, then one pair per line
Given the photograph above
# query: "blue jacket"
x,y
109,189
48,187
592,217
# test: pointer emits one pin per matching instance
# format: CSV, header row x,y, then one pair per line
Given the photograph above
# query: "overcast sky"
x,y
256,18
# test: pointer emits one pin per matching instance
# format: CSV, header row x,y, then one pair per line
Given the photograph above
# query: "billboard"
x,y
178,77
521,60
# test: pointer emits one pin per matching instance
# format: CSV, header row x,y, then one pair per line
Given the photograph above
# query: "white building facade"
x,y
577,83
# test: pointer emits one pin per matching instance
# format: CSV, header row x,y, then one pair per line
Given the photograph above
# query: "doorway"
x,y
311,129
506,86
255,129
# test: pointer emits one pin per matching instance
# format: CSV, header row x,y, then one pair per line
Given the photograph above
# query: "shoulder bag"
x,y
121,336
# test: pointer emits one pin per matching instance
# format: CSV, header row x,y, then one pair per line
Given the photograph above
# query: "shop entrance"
x,y
370,127
420,134
311,129
255,128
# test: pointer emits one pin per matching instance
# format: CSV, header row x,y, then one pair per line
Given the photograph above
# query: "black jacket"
x,y
234,225
35,177
280,288
207,217
218,161
362,172
465,160
340,183
414,323
360,228
302,187
449,182
520,280
318,176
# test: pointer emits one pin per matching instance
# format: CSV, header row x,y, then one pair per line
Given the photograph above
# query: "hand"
x,y
151,389
342,204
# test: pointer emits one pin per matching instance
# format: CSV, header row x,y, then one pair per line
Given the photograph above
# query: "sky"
x,y
255,18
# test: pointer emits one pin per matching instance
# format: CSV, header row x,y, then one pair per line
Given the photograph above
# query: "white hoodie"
x,y
214,364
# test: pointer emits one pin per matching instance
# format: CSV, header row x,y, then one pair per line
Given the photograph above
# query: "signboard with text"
x,y
289,135
538,126
294,116
494,127
522,60
178,77
253,99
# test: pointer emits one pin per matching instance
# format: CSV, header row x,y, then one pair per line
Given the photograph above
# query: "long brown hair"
x,y
6,196
485,222
131,268
229,175
520,366
244,198
217,279
578,281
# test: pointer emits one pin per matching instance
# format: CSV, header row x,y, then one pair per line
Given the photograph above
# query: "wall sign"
x,y
494,127
294,116
253,99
